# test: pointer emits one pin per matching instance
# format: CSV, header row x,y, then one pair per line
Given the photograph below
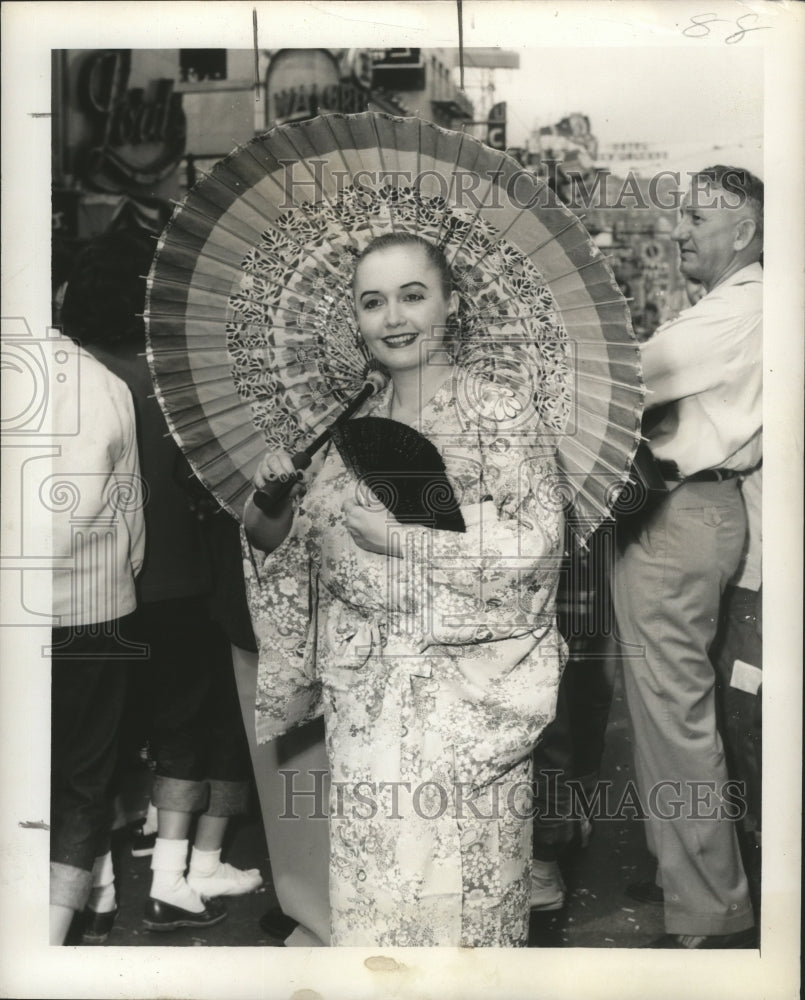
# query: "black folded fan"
x,y
403,468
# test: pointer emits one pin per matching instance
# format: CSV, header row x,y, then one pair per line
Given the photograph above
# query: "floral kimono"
x,y
436,673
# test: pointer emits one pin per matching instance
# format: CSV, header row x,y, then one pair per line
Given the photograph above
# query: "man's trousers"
x,y
670,573
739,700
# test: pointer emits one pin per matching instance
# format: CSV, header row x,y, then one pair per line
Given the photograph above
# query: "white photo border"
x,y
30,968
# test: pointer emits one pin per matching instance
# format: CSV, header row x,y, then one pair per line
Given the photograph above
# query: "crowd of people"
x,y
425,731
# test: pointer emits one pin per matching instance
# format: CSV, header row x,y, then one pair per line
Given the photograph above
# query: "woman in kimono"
x,y
434,655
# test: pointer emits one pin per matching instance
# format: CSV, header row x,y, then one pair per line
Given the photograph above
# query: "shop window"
x,y
198,65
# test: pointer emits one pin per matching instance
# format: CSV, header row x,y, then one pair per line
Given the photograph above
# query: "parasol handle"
x,y
271,498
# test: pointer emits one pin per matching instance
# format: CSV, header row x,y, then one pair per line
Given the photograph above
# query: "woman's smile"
x,y
400,339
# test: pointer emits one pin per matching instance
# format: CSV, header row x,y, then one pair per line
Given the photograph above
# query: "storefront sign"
x,y
397,57
137,132
496,129
303,83
399,69
297,103
625,151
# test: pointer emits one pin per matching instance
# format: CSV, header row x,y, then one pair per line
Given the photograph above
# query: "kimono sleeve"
x,y
281,593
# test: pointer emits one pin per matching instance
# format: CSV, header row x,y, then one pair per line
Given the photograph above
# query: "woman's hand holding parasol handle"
x,y
273,496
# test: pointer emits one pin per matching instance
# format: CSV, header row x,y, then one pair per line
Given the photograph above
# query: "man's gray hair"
x,y
740,182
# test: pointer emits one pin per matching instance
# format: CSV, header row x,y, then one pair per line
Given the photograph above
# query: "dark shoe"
x,y
161,916
142,844
741,939
646,892
276,924
97,926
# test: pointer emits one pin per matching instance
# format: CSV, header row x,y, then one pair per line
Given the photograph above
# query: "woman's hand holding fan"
x,y
368,524
402,470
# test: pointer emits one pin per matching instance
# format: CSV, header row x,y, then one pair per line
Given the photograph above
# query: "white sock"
x,y
102,894
150,824
169,885
204,863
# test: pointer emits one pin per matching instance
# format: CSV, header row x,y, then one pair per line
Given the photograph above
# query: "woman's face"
x,y
400,306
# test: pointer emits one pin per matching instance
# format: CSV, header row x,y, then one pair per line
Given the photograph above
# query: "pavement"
x,y
596,914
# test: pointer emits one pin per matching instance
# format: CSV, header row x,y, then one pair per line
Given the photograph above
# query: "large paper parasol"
x,y
252,338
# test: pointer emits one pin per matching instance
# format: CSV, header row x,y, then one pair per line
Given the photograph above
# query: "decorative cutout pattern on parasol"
x,y
252,334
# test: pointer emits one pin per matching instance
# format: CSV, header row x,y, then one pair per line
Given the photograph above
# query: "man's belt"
x,y
671,474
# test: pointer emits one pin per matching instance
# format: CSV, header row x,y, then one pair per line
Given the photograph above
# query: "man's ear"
x,y
744,234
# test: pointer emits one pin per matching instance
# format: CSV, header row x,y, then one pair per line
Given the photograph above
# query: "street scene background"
x,y
610,113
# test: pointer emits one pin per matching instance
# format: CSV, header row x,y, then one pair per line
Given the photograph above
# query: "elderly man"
x,y
704,376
